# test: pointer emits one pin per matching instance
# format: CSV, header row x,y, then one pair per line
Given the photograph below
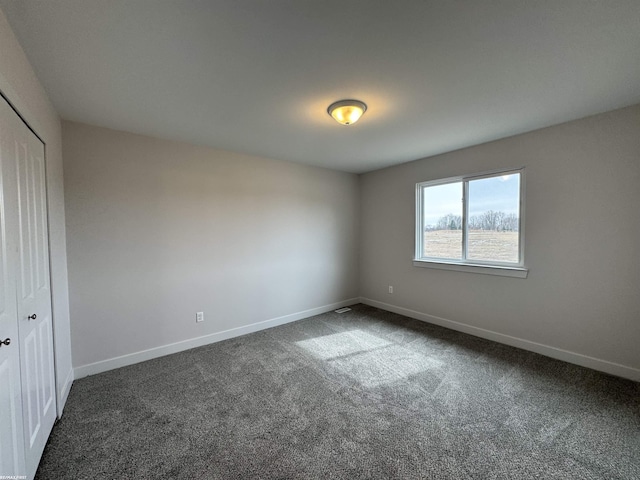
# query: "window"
x,y
472,223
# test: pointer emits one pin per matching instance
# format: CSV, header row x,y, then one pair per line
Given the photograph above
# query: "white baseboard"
x,y
137,357
553,352
64,392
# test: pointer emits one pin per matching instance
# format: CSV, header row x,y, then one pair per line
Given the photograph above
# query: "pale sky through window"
x,y
500,194
440,200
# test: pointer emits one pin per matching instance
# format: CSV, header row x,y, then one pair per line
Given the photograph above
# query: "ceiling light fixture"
x,y
347,112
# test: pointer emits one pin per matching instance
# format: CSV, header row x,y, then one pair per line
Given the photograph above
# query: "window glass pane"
x,y
442,221
494,218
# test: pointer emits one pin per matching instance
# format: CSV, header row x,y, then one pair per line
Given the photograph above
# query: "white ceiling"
x,y
256,76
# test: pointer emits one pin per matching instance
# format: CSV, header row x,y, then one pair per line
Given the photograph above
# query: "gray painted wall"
x,y
159,230
581,240
18,83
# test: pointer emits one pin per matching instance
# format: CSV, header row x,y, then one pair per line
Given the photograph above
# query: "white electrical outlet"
x,y
199,317
390,289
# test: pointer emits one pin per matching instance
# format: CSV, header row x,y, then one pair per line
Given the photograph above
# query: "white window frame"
x,y
508,269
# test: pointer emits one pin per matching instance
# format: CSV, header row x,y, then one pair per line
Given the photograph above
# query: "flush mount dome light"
x,y
347,112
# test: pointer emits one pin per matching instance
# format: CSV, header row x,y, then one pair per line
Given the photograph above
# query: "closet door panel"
x,y
33,295
46,369
30,388
40,276
12,461
11,448
26,295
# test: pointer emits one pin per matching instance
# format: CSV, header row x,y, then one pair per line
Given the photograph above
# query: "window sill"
x,y
503,271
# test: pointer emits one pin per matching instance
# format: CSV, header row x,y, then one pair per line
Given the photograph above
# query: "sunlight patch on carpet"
x,y
369,359
341,344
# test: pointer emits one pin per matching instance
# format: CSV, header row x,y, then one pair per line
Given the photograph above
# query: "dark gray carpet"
x,y
364,394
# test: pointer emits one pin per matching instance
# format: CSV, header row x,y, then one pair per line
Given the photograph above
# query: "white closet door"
x,y
12,460
34,297
25,200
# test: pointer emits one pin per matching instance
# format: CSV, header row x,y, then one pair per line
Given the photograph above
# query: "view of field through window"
x,y
492,220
